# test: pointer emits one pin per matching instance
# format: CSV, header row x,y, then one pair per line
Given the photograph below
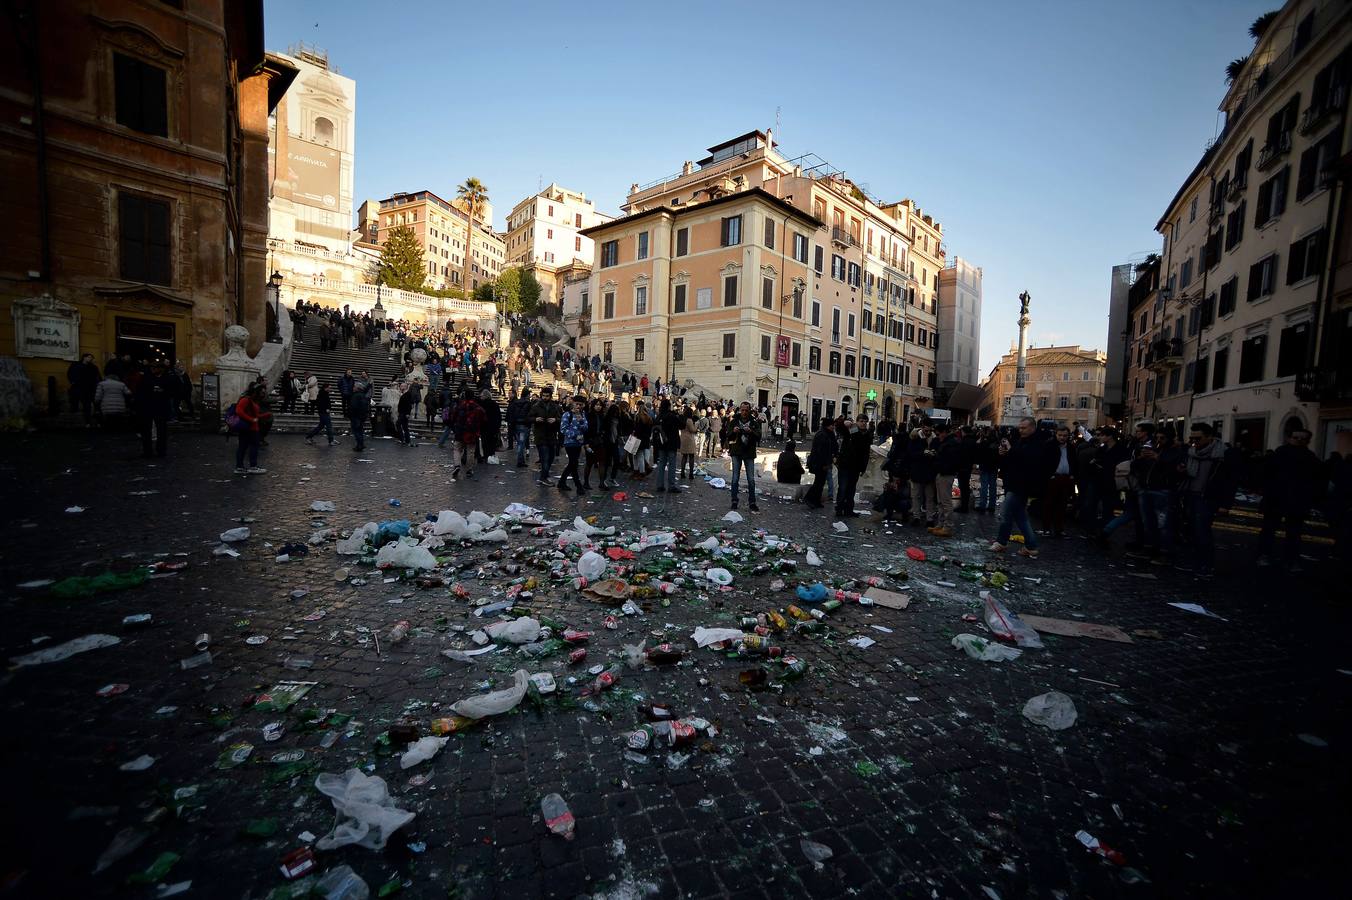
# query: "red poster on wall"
x,y
782,350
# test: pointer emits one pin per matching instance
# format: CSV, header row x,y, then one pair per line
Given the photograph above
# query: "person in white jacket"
x,y
389,406
311,392
111,399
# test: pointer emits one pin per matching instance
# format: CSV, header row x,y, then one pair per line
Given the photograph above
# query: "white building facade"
x,y
543,237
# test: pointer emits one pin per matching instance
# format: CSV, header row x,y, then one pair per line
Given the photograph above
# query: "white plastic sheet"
x,y
355,544
987,651
580,524
66,650
1007,626
517,631
494,703
422,750
323,506
703,637
367,815
235,535
1052,710
812,558
719,576
732,516
591,565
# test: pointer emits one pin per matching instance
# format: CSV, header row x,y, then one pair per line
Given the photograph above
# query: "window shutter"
x,y
1309,160
131,226
723,233
1255,280
1279,185
157,243
1264,203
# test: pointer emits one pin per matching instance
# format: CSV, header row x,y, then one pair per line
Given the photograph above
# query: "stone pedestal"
x,y
236,368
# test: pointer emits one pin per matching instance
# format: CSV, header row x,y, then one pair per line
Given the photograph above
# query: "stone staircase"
x,y
380,362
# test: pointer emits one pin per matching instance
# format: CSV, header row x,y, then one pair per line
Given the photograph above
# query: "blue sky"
x,y
1046,137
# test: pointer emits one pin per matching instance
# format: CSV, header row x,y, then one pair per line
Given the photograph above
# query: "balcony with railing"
x,y
843,237
1164,354
1273,151
1322,109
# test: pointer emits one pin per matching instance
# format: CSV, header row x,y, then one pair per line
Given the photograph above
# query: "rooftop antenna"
x,y
777,117
539,182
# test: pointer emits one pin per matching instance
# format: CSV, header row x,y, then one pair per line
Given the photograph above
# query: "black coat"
x,y
155,395
1028,465
923,465
824,447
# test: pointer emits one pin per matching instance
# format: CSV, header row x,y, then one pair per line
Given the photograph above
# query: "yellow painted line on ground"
x,y
1249,529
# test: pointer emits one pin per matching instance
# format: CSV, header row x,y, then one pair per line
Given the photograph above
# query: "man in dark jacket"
x,y
947,461
323,405
1025,464
820,460
544,419
1061,487
84,381
518,425
744,434
491,435
345,382
850,464
966,462
789,469
1292,479
154,400
922,452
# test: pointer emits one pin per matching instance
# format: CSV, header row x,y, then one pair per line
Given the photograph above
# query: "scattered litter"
x,y
1094,845
841,528
1313,740
733,516
1006,626
323,506
887,599
75,510
817,854
139,764
235,535
558,818
496,702
703,637
863,643
422,750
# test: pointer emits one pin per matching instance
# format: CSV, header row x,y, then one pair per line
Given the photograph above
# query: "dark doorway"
x,y
144,340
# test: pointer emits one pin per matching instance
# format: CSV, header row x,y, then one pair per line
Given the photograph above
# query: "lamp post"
x,y
275,284
796,296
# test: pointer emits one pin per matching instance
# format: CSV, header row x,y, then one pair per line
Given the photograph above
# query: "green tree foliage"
x,y
401,261
516,291
484,293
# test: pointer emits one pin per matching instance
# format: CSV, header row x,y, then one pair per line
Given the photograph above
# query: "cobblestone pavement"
x,y
1212,756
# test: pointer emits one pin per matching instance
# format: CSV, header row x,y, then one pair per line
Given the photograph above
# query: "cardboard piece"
x,y
888,599
1071,628
611,588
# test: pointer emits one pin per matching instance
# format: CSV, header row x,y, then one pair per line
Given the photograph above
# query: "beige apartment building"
x,y
1064,384
710,292
858,348
1250,225
544,237
441,227
926,262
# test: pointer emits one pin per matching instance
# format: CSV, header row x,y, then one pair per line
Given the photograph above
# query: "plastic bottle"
x,y
664,653
399,632
558,817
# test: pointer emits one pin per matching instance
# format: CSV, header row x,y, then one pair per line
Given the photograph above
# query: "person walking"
x,y
851,460
988,471
688,444
573,434
1209,486
490,437
408,397
947,462
323,404
544,419
345,382
311,392
1293,477
518,425
820,460
1025,464
744,437
966,462
154,399
182,392
598,454
249,411
467,421
112,400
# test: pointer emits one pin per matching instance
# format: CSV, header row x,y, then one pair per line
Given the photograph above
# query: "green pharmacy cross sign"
x,y
871,394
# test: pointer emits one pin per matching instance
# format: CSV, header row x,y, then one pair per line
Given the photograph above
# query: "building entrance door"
x,y
145,340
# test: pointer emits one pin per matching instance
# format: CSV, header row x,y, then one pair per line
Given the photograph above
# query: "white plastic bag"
x,y
1006,626
732,516
479,520
405,554
422,750
355,544
520,511
719,576
987,651
812,558
591,565
322,506
517,631
235,535
494,703
710,543
367,815
450,522
580,524
840,527
703,637
657,539
497,535
1052,710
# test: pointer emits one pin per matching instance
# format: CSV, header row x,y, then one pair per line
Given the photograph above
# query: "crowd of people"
x,y
144,395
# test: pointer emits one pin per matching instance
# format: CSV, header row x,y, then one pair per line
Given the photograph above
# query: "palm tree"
x,y
1260,25
473,193
1234,68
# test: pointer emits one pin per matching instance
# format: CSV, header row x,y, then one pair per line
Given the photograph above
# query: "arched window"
x,y
323,131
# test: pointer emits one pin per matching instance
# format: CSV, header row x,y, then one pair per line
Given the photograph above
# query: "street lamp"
x,y
275,283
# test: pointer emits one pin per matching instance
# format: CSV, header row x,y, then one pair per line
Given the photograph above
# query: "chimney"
x,y
633,188
770,138
687,167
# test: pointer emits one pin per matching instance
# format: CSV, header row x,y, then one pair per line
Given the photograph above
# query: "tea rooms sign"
x,y
44,326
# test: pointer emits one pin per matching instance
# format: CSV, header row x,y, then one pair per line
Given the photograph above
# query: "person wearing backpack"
x,y
467,420
248,411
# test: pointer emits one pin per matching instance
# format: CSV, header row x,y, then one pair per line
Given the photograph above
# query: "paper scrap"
x,y
1067,628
